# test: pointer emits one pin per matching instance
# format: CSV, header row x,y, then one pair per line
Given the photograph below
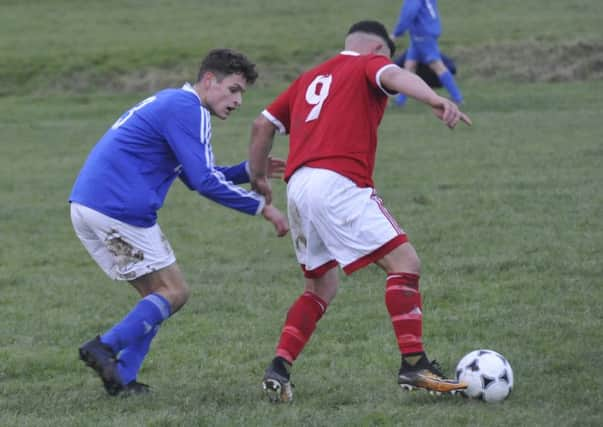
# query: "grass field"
x,y
507,217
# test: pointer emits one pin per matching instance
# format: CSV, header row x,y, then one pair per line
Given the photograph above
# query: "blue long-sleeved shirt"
x,y
130,170
419,18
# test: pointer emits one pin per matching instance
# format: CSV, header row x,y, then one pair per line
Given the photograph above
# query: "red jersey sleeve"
x,y
374,67
279,111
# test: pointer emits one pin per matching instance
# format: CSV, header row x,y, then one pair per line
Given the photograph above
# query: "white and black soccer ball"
x,y
488,374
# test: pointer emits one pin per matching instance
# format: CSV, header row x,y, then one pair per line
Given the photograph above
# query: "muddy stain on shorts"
x,y
296,228
124,252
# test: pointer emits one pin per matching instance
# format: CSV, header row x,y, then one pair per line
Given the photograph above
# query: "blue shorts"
x,y
423,49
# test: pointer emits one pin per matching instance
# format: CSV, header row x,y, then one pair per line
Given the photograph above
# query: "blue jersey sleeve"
x,y
408,12
188,133
238,174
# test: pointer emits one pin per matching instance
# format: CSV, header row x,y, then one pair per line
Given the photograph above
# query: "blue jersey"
x,y
130,170
419,18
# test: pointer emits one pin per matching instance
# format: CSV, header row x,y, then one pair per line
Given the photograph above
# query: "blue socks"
x,y
131,358
131,337
450,84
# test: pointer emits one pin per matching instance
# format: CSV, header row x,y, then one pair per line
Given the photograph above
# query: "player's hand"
x,y
276,167
262,185
276,217
448,112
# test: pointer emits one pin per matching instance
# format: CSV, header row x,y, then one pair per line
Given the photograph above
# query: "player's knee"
x,y
179,295
438,67
413,263
402,259
325,286
410,66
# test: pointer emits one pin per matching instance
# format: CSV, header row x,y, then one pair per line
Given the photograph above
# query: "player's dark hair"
x,y
224,62
376,28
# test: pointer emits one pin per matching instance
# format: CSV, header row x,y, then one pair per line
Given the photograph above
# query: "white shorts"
x,y
333,221
123,251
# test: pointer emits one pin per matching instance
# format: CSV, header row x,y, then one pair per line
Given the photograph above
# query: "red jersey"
x,y
332,113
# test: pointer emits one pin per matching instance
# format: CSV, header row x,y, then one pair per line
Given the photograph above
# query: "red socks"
x,y
301,321
403,302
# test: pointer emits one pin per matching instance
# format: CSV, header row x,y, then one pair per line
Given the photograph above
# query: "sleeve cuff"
x,y
261,205
247,170
276,122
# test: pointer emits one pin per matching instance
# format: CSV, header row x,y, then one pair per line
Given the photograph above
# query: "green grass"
x,y
507,217
85,44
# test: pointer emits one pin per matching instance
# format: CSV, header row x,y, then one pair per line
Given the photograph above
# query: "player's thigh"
x,y
364,236
352,222
403,259
91,240
438,67
303,190
427,50
123,251
411,53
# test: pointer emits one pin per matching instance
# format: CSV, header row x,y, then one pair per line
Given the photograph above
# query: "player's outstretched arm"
x,y
262,135
277,218
396,79
448,112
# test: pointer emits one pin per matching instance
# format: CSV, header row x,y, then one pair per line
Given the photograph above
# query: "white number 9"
x,y
317,99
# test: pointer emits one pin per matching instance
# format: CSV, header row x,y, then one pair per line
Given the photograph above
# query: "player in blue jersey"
x,y
124,182
422,21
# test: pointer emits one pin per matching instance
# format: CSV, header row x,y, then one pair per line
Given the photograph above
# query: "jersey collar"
x,y
349,52
189,88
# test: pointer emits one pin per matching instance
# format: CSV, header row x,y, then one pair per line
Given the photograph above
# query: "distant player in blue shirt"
x,y
422,21
124,182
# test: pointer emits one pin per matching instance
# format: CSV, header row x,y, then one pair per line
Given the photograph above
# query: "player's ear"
x,y
382,49
207,79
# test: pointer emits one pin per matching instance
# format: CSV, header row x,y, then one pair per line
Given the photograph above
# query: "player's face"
x,y
226,95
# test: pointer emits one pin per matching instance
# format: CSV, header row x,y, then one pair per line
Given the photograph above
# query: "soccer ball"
x,y
488,374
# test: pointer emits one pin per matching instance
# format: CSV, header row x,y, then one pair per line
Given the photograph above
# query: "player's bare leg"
x,y
119,376
168,282
301,321
403,301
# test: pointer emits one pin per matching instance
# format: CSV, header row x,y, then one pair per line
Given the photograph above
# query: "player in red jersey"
x,y
331,114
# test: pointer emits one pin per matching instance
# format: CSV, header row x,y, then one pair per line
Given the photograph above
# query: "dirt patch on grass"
x,y
522,62
532,61
145,80
153,79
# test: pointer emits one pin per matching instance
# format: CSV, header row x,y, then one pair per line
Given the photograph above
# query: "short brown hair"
x,y
224,62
